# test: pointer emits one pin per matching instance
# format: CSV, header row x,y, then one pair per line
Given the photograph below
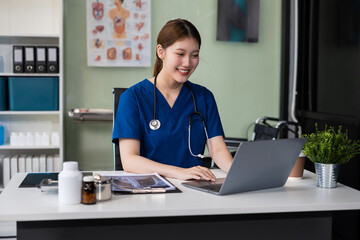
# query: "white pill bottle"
x,y
70,184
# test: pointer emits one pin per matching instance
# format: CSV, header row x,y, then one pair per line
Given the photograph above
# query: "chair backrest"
x,y
279,129
116,151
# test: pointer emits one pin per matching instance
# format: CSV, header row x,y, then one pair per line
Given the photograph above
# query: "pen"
x,y
149,190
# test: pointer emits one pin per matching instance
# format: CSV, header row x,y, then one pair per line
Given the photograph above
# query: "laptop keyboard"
x,y
213,187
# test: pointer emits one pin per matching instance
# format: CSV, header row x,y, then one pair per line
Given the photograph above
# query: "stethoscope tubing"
x,y
155,123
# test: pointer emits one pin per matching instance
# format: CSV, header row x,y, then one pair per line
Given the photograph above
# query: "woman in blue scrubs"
x,y
168,146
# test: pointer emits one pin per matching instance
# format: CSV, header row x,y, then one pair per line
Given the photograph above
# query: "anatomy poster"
x,y
118,33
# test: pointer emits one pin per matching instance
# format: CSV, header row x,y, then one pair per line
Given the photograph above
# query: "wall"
x,y
244,77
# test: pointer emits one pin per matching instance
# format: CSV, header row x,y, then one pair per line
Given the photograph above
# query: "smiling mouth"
x,y
184,72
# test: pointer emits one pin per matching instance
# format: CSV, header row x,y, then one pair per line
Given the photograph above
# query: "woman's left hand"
x,y
197,173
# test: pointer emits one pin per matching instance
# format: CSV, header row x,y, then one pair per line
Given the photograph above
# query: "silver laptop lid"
x,y
262,164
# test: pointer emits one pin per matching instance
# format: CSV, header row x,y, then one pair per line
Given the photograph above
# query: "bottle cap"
x,y
104,180
70,166
88,179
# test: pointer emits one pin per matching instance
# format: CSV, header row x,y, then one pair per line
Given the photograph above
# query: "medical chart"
x,y
118,33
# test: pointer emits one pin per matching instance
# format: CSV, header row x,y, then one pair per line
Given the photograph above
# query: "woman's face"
x,y
180,59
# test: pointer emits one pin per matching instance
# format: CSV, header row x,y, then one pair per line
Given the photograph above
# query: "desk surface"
x,y
298,195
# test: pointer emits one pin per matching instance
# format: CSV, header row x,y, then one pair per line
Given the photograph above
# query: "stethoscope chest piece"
x,y
154,124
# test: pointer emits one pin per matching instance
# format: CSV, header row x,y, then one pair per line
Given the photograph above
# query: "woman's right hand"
x,y
197,173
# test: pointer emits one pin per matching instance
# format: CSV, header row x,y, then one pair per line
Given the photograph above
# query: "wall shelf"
x,y
29,112
29,36
29,75
9,147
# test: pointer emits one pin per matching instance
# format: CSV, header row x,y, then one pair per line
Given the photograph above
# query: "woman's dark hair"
x,y
171,32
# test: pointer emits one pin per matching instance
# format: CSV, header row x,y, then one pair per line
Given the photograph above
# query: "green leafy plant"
x,y
330,146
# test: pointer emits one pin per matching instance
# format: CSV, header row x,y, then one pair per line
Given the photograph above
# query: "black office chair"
x,y
263,130
116,151
232,144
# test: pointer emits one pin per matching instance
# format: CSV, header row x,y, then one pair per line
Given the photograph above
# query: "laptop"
x,y
257,165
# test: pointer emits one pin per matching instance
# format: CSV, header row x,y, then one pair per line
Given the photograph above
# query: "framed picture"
x,y
238,20
118,33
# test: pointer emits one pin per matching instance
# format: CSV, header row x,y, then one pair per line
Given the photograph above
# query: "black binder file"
x,y
40,63
18,59
53,59
29,59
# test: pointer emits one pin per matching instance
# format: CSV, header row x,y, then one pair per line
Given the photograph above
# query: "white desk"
x,y
299,200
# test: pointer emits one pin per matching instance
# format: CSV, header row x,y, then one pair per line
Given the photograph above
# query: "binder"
x,y
42,161
50,163
29,57
40,63
35,164
6,170
57,163
13,165
21,163
52,59
28,163
18,59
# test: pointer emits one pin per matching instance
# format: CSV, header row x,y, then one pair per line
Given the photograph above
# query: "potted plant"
x,y
328,149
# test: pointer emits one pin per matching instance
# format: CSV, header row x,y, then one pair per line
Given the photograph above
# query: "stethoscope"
x,y
155,123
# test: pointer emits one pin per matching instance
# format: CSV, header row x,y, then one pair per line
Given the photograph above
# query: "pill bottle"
x,y
103,187
14,139
22,139
37,139
45,139
55,139
70,184
29,139
88,190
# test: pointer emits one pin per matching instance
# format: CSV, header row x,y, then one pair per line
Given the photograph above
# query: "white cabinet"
x,y
4,17
31,23
32,18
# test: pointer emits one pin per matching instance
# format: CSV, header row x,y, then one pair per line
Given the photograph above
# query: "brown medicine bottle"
x,y
88,190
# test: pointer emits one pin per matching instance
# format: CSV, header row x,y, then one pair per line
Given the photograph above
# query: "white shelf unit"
x,y
10,147
29,112
31,23
27,74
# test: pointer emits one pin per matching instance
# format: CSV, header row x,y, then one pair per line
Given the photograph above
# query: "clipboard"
x,y
176,190
142,184
33,179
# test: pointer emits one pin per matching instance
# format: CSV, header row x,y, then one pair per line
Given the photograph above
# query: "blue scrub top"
x,y
168,144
